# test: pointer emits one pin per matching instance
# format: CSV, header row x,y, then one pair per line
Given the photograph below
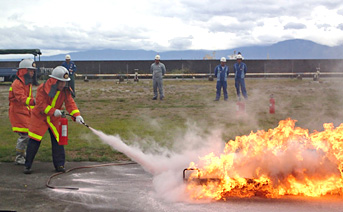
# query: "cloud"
x,y
181,42
324,26
293,25
73,38
241,27
144,25
14,17
268,39
332,4
205,9
340,26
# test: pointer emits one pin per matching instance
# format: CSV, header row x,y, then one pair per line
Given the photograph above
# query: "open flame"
x,y
286,160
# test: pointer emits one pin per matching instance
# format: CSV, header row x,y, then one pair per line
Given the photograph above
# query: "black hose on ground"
x,y
81,167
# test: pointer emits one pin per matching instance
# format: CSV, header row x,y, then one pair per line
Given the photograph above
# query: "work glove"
x,y
57,113
79,119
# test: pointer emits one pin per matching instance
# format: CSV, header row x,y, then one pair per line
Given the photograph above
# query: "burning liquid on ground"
x,y
286,160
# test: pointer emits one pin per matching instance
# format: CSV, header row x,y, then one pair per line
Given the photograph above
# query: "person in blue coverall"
x,y
71,67
240,70
221,72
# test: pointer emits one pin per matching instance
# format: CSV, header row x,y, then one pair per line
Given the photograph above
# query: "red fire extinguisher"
x,y
271,105
63,130
240,107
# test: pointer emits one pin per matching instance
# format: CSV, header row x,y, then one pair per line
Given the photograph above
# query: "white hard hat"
x,y
157,57
27,63
60,73
68,57
223,59
239,57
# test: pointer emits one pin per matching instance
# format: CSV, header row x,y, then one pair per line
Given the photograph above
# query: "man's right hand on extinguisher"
x,y
79,120
57,113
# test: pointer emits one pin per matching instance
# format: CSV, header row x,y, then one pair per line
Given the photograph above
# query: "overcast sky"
x,y
59,26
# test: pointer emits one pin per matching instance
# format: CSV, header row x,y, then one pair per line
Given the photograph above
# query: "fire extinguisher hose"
x,y
81,167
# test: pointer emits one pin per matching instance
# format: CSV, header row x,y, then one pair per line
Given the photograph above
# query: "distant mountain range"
x,y
289,49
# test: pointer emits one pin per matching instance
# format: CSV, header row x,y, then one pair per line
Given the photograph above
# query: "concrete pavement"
x,y
121,188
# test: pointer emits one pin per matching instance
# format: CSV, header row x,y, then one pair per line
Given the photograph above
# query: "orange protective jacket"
x,y
20,101
48,99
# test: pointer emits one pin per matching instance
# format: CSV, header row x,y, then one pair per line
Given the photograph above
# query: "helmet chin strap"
x,y
53,90
27,78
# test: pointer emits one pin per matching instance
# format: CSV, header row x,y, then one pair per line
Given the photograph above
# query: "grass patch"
x,y
126,109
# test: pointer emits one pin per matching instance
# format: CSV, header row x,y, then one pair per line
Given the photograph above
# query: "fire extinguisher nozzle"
x,y
85,124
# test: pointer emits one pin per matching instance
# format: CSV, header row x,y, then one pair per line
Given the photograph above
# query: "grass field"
x,y
127,109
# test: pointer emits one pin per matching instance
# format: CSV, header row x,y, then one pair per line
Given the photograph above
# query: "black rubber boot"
x,y
60,169
27,170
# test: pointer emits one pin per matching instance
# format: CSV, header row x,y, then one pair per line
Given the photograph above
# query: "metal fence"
x,y
198,68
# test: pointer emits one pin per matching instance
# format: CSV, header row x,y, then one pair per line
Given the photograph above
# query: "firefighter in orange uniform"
x,y
20,104
45,116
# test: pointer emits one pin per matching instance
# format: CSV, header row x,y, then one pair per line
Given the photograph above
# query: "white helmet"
x,y
68,57
239,57
60,73
27,63
157,57
223,59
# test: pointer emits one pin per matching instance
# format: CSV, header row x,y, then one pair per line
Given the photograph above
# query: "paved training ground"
x,y
121,188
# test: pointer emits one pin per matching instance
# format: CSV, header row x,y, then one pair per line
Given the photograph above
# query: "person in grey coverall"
x,y
158,70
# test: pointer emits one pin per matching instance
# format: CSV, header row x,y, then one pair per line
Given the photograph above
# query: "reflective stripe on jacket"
x,y
20,102
221,72
240,70
48,99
